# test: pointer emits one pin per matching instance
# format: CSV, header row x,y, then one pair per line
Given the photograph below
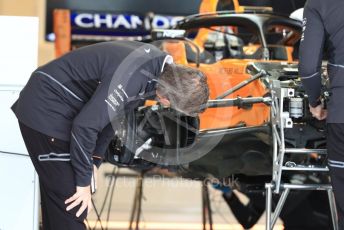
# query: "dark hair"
x,y
186,88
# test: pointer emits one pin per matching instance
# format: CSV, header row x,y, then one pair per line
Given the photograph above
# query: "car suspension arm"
x,y
238,102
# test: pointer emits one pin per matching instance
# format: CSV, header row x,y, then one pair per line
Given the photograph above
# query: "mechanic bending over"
x,y
66,109
324,27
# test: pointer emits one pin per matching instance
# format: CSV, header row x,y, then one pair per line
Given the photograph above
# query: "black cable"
x,y
204,215
139,208
105,199
13,153
209,212
98,216
111,197
108,190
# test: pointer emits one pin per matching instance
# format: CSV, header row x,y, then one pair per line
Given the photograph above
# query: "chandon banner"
x,y
100,23
129,17
125,14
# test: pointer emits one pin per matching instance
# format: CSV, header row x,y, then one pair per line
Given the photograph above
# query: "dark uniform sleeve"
x,y
91,127
311,50
106,104
104,139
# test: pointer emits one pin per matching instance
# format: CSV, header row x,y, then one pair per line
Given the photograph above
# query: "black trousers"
x,y
335,148
298,213
51,160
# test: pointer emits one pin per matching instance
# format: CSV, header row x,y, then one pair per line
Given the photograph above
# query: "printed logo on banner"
x,y
119,24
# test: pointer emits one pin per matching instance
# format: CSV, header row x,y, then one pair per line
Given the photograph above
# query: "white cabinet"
x,y
19,193
19,199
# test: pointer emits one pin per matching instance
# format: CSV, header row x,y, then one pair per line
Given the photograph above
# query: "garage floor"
x,y
168,203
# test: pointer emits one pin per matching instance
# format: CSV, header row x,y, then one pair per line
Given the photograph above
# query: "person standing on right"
x,y
323,26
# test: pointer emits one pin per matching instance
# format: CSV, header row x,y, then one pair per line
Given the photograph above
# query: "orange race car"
x,y
223,45
233,136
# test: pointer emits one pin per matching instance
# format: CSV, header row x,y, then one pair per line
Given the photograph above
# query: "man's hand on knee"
x,y
83,197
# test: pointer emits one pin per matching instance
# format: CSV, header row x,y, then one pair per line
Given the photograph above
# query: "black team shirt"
x,y
75,97
323,26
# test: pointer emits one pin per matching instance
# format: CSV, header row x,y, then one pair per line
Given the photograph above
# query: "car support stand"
x,y
136,209
206,207
279,122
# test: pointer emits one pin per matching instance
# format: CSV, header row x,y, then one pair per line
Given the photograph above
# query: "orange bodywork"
x,y
224,75
210,6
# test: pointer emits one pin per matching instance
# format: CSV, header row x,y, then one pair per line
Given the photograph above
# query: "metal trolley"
x,y
280,121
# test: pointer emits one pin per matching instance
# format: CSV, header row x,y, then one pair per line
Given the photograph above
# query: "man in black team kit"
x,y
324,27
66,109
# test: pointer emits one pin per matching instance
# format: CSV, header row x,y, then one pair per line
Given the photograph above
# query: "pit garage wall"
x,y
19,183
174,203
165,201
34,8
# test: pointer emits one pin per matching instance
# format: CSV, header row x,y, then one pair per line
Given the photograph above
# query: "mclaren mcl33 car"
x,y
248,59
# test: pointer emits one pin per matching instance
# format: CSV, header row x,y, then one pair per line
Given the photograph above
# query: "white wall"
x,y
19,183
34,8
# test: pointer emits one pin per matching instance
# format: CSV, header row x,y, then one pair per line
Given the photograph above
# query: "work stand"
x,y
280,121
137,204
207,219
